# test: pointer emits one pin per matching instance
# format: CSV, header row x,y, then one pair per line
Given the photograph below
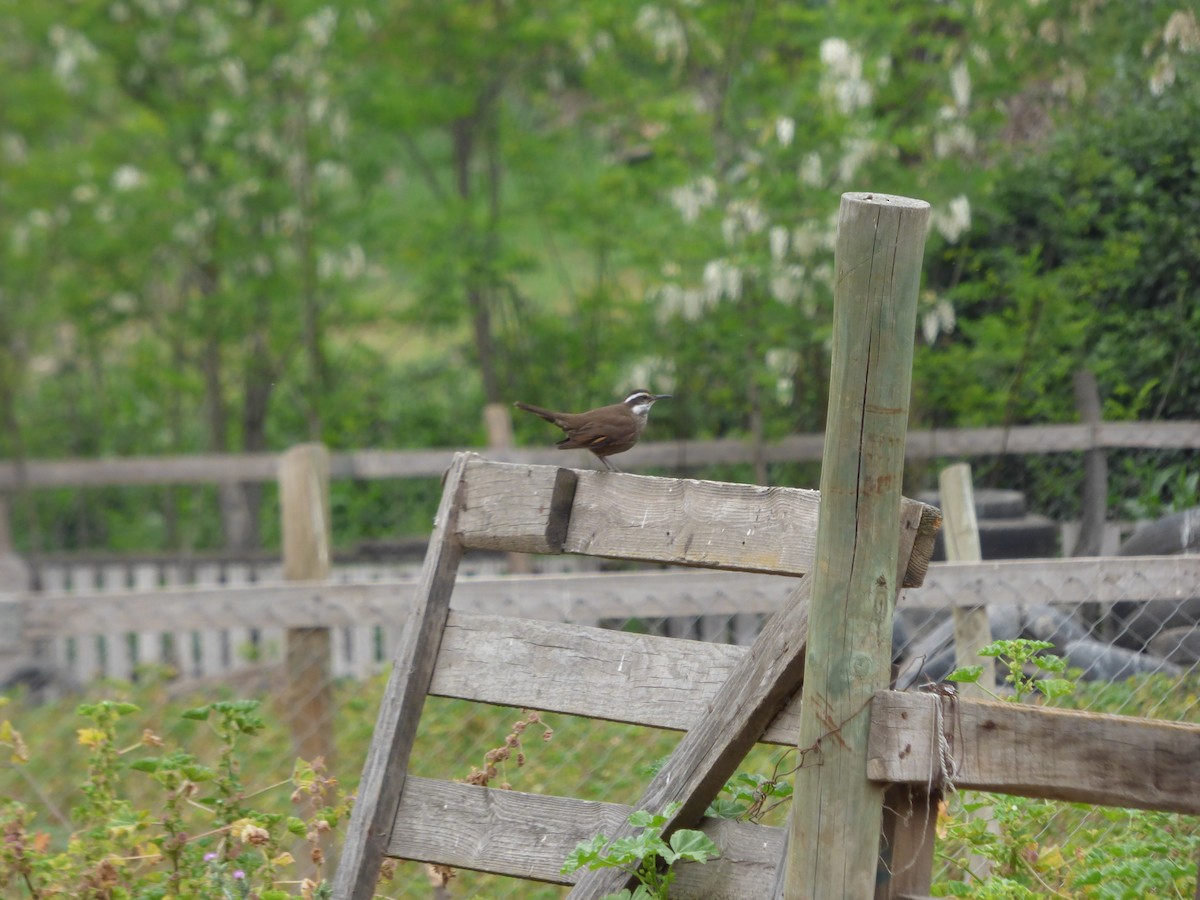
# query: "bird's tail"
x,y
548,415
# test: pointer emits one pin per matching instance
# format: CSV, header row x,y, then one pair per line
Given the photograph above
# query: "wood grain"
x,y
579,670
384,773
1031,751
529,836
664,520
833,841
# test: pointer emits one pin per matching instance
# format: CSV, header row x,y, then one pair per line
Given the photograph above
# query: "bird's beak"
x,y
662,396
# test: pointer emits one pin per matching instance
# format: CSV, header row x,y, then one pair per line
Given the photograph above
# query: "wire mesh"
x,y
1130,655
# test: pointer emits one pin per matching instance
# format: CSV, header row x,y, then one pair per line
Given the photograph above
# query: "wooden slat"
x,y
579,670
1058,581
386,768
665,520
586,597
529,836
377,464
1036,752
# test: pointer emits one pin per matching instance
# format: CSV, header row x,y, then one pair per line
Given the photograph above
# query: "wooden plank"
x,y
1058,581
386,767
619,676
1032,751
529,836
389,464
585,597
833,841
665,520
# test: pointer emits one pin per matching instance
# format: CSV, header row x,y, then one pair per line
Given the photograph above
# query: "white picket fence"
x,y
359,651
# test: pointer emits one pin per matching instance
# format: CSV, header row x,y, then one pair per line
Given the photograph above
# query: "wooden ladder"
x,y
726,698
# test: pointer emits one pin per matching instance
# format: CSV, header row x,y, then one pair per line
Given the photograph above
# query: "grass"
x,y
1058,843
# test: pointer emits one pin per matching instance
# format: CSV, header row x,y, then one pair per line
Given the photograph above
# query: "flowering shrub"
x,y
204,839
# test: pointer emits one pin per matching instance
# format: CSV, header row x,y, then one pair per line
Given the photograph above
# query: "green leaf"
x,y
965,674
693,845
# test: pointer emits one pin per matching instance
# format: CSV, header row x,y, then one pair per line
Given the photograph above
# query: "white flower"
x,y
320,25
960,85
1183,31
954,220
691,199
785,130
666,32
127,178
778,237
810,170
843,80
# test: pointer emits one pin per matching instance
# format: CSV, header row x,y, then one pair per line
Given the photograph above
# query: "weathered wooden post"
x,y
1094,513
960,530
307,556
833,843
972,629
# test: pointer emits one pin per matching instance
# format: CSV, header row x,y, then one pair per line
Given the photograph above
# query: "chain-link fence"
x,y
173,632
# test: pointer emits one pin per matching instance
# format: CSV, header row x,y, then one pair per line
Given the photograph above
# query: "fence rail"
x,y
210,629
380,464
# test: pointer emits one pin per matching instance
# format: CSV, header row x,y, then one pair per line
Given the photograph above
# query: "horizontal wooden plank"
x,y
210,468
578,670
635,517
529,836
1058,581
566,598
590,597
1033,751
373,464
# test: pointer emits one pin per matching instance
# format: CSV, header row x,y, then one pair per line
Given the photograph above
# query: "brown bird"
x,y
604,431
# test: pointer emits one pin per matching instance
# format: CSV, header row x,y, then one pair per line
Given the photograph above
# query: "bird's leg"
x,y
607,464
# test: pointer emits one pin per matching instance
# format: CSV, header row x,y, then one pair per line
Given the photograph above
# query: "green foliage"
x,y
749,796
235,227
200,837
1121,855
1027,668
642,854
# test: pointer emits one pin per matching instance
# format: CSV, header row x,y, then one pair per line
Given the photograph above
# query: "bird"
x,y
604,431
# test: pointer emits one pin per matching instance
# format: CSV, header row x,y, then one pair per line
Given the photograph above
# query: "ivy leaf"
x,y
693,845
965,674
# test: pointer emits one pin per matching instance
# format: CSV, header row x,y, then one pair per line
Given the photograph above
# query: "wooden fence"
x,y
675,455
218,624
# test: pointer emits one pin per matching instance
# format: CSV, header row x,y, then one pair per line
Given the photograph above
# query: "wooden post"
x,y
1094,501
307,554
960,529
972,629
833,844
